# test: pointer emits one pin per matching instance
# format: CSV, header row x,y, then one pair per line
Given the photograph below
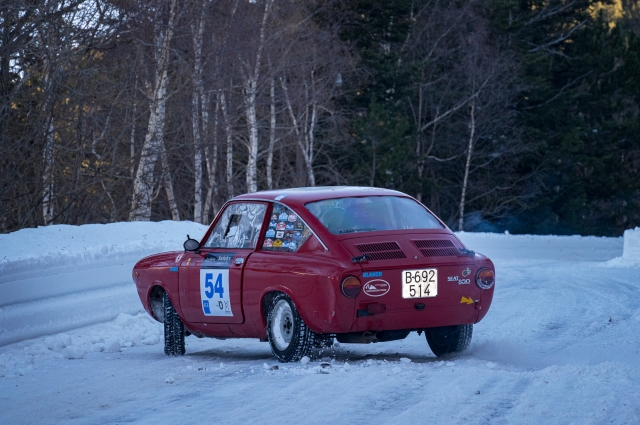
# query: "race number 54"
x,y
214,292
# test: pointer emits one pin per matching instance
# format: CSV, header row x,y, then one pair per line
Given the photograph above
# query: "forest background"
x,y
496,114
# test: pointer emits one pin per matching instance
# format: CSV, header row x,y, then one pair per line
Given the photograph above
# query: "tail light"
x,y
485,278
351,287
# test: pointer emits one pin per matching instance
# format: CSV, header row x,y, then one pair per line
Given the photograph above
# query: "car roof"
x,y
303,195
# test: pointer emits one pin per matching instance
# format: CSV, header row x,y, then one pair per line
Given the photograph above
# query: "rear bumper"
x,y
404,319
417,319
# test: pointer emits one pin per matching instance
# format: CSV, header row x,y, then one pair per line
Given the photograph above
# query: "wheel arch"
x,y
154,301
271,292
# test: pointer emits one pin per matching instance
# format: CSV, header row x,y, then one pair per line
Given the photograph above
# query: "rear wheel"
x,y
449,339
290,339
174,332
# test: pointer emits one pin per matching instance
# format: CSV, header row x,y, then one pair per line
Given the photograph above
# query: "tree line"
x,y
496,114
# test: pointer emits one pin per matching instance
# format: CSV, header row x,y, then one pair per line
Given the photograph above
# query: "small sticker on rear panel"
x,y
376,288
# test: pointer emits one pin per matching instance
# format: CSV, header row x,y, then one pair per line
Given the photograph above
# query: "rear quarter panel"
x,y
311,279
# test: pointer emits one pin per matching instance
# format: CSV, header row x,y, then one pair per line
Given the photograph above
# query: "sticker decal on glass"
x,y
290,231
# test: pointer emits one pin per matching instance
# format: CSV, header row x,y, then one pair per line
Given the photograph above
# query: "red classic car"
x,y
300,267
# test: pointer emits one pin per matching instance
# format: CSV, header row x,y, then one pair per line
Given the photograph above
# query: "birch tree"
x,y
229,145
196,107
251,74
211,155
154,142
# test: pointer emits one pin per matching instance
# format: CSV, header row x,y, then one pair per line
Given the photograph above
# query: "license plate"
x,y
422,283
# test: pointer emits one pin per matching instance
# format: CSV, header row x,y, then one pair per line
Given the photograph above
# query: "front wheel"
x,y
290,339
174,332
449,339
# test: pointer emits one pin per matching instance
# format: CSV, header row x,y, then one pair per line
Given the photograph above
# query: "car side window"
x,y
238,227
286,232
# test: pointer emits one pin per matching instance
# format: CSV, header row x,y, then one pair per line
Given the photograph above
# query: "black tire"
x,y
174,332
290,339
449,339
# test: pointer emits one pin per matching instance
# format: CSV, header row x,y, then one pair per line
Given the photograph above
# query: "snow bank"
x,y
504,246
62,277
30,254
631,250
124,332
57,278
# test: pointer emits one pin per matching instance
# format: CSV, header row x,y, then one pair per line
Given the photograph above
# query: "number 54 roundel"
x,y
214,292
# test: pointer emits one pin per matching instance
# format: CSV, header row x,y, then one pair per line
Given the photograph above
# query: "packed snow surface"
x,y
559,345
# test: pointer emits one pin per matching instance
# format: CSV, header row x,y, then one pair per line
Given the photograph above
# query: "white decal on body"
x,y
214,292
376,288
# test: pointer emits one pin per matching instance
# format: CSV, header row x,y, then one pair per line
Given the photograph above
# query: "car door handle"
x,y
239,261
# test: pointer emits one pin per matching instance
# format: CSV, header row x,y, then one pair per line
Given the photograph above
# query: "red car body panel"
x,y
312,276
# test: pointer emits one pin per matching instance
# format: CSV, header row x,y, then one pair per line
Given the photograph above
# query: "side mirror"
x,y
191,244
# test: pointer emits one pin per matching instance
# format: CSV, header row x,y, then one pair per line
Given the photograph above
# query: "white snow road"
x,y
559,346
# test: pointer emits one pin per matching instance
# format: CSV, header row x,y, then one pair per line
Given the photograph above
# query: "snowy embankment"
x,y
559,344
63,277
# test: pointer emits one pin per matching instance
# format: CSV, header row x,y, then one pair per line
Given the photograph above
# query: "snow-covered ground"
x,y
559,345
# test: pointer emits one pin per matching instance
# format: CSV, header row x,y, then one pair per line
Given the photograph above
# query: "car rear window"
x,y
372,213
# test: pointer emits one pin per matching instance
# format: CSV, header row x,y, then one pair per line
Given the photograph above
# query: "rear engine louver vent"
x,y
381,251
436,248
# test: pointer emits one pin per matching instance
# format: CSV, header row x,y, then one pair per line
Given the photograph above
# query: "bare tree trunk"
x,y
305,141
227,127
132,137
373,162
310,144
272,135
251,91
212,160
49,140
168,185
47,177
252,124
154,143
472,129
198,91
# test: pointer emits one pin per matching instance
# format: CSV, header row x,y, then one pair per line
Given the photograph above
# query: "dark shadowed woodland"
x,y
496,114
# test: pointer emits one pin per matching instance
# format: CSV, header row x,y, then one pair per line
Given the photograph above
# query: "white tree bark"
x,y
250,93
272,134
132,136
212,160
154,143
472,130
198,92
227,128
168,185
49,140
252,124
47,177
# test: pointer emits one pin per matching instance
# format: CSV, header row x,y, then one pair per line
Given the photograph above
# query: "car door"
x,y
211,279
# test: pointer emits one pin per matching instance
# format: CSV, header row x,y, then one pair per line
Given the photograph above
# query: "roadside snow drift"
x,y
62,277
559,344
631,249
